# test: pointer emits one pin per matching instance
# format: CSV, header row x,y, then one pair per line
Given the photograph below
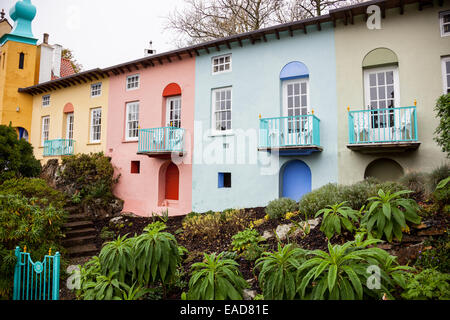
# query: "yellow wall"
x,y
80,97
5,27
11,79
415,38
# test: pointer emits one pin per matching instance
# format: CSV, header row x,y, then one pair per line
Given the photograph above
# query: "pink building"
x,y
151,124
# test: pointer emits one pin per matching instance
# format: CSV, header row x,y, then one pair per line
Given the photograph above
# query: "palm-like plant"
x,y
336,217
388,213
339,273
216,278
156,255
118,256
105,287
135,292
278,270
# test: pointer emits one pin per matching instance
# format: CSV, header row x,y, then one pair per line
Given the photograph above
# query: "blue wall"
x,y
256,90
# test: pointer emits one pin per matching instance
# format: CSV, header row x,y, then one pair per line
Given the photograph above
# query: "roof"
x,y
344,14
65,70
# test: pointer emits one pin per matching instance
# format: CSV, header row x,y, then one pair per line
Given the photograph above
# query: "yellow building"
x,y
69,115
18,67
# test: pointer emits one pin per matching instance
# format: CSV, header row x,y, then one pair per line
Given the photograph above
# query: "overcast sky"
x,y
103,33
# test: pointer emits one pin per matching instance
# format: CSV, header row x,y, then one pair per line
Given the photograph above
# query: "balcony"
x,y
296,135
161,142
383,130
59,147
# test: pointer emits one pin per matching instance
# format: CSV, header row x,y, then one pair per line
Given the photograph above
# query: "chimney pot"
x,y
46,38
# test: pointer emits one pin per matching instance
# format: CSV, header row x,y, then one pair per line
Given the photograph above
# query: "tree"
x,y
68,54
442,133
16,156
205,20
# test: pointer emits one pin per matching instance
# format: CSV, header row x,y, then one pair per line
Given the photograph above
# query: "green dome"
x,y
22,13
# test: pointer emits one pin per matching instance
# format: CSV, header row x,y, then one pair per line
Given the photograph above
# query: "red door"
x,y
172,182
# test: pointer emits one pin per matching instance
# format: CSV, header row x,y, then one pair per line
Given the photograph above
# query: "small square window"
x,y
46,100
224,180
133,82
221,64
96,89
135,167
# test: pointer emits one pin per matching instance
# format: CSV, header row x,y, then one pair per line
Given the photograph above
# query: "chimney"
x,y
46,38
56,67
150,51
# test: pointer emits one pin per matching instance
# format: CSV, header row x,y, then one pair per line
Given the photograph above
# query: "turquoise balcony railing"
x,y
383,125
59,147
287,132
165,139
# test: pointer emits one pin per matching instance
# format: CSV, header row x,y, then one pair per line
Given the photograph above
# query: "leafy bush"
x,y
342,272
438,257
156,255
442,133
277,276
25,223
437,175
92,175
427,285
247,243
442,194
385,216
34,188
337,217
279,207
16,156
216,279
117,257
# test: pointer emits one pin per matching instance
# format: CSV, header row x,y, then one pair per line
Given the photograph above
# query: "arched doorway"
x,y
384,170
295,180
172,182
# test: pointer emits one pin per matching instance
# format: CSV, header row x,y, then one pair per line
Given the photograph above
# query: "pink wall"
x,y
141,191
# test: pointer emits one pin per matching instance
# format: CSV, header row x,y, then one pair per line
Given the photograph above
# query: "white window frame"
x,y
128,137
45,129
217,58
69,126
441,23
285,94
136,83
46,100
93,125
367,85
96,89
169,100
445,74
213,109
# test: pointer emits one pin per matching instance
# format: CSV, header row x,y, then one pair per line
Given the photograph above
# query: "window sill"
x,y
130,141
221,134
94,143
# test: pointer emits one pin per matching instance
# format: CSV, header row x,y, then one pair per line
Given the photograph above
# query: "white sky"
x,y
103,33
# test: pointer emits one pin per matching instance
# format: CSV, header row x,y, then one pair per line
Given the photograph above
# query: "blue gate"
x,y
36,280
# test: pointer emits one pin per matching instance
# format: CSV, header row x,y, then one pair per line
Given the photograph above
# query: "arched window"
x,y
21,60
384,169
172,95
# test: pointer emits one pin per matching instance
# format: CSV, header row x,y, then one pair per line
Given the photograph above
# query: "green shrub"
x,y
337,217
427,285
279,207
34,188
247,243
437,175
16,156
25,223
117,256
342,272
156,255
216,279
442,194
385,217
318,199
277,272
438,257
92,175
442,133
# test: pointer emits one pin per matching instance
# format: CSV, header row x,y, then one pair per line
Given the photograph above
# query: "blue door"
x,y
296,180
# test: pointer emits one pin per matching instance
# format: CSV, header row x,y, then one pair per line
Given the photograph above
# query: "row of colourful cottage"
x,y
277,112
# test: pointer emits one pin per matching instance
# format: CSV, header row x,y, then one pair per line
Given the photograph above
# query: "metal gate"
x,y
36,280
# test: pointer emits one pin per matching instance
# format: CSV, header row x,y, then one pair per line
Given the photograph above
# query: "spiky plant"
x,y
337,217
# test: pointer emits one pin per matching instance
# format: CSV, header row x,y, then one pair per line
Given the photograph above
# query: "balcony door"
x,y
69,133
173,112
295,103
381,94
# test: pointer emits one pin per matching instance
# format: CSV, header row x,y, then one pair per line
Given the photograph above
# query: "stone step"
x,y
75,241
72,209
82,250
78,224
77,217
80,233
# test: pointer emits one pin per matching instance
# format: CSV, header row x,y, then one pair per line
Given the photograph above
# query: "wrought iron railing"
x,y
165,139
59,147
